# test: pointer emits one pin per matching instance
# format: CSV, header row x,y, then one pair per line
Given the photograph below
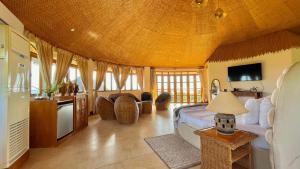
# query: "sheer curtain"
x,y
83,69
140,77
45,57
204,87
116,73
101,70
63,63
153,83
125,71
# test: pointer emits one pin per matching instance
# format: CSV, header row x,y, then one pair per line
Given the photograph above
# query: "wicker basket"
x,y
126,110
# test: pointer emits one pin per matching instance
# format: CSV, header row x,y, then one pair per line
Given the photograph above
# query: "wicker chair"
x,y
126,110
163,101
147,101
146,96
105,108
114,97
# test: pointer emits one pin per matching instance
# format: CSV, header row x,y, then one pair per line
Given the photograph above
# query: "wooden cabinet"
x,y
256,95
44,119
43,123
80,111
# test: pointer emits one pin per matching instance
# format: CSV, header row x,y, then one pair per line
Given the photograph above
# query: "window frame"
x,y
104,88
190,80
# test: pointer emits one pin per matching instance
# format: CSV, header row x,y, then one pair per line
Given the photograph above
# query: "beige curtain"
x,y
83,69
101,70
204,86
140,77
153,83
116,73
45,56
125,71
63,62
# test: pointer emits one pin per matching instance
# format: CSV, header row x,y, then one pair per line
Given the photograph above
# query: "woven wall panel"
x,y
159,33
257,46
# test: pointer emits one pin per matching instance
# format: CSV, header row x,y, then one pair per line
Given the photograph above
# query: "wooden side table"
x,y
225,152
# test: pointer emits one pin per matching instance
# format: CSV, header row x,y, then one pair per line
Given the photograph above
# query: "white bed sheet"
x,y
198,117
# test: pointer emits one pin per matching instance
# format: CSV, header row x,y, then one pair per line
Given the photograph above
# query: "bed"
x,y
187,119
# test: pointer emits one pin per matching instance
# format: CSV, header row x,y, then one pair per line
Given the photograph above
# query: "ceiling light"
x,y
72,29
201,2
219,13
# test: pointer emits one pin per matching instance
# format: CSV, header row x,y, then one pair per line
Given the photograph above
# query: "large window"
x,y
36,81
109,83
184,87
131,82
35,77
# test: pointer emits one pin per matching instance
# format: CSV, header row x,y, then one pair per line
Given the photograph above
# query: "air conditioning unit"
x,y
14,95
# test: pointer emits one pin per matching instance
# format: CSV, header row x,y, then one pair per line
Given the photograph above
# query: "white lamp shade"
x,y
227,103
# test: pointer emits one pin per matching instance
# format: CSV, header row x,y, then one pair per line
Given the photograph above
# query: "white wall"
x,y
272,66
10,19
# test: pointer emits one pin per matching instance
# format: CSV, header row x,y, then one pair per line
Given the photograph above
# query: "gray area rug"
x,y
175,151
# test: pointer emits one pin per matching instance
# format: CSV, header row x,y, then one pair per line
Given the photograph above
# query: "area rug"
x,y
174,151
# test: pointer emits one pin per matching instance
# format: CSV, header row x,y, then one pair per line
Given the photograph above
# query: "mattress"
x,y
196,117
199,118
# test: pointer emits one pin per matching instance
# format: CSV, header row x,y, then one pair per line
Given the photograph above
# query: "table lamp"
x,y
226,105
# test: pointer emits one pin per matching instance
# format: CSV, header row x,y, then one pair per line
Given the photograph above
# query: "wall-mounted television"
x,y
251,72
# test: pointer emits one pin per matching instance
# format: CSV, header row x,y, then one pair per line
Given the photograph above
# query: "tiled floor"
x,y
107,145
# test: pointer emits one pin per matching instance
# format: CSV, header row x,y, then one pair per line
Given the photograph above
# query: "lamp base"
x,y
225,123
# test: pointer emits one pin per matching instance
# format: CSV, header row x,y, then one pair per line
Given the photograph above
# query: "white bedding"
x,y
198,118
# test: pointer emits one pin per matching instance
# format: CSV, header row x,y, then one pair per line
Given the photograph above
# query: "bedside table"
x,y
225,151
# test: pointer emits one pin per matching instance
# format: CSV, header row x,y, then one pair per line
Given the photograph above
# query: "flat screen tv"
x,y
251,72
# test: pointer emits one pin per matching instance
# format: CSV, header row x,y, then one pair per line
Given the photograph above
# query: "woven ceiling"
x,y
159,33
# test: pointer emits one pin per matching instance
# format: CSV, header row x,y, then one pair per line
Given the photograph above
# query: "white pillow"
x,y
252,117
265,108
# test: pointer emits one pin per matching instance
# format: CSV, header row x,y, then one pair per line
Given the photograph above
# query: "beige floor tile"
x,y
107,145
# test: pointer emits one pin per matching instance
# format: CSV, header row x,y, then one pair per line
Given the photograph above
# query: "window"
x,y
131,82
184,87
35,77
72,74
109,83
53,71
94,79
79,81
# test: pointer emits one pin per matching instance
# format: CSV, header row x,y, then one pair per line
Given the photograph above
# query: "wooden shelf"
x,y
237,166
240,153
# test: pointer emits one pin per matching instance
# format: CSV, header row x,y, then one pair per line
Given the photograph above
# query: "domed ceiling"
x,y
159,33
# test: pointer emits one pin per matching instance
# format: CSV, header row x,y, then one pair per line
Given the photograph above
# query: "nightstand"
x,y
225,151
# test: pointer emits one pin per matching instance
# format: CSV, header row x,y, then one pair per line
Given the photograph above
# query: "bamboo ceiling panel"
x,y
159,33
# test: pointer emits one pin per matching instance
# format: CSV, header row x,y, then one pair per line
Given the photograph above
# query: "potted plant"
x,y
75,88
63,89
69,87
49,92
